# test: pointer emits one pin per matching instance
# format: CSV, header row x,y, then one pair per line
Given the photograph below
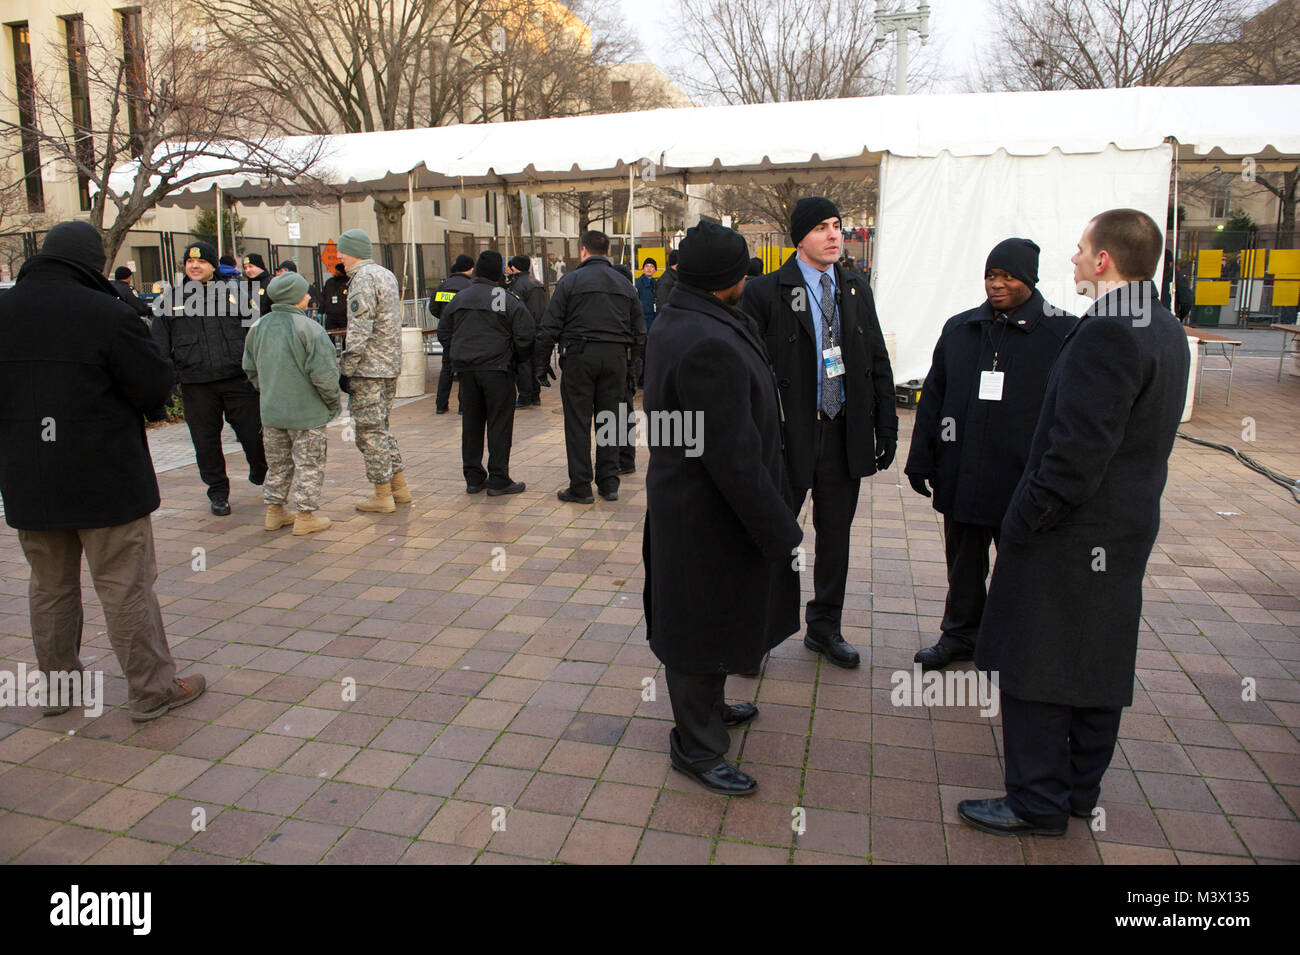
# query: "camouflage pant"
x,y
369,404
294,454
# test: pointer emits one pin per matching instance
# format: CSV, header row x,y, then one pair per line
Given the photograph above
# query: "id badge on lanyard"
x,y
833,362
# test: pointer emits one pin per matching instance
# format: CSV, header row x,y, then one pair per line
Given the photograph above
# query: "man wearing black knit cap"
x,y
980,403
122,283
490,332
462,271
837,392
255,269
519,280
720,585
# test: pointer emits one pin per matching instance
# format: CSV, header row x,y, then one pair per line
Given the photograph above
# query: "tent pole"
x,y
410,228
1173,279
631,212
220,231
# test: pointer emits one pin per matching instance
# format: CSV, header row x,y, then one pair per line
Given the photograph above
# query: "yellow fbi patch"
x,y
444,296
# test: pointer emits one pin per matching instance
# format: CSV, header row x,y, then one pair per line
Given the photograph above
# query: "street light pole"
x,y
899,24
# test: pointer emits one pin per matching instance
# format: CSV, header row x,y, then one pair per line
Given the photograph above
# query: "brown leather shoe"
x,y
186,690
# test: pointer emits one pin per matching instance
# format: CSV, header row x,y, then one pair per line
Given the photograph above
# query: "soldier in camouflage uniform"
x,y
290,360
369,367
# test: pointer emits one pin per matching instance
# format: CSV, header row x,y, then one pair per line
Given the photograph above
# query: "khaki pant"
x,y
370,403
123,568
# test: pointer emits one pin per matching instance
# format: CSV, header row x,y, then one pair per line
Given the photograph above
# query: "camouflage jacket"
x,y
374,342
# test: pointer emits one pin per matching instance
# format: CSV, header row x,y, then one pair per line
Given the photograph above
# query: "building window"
x,y
1221,203
79,89
26,83
137,92
437,207
464,208
621,92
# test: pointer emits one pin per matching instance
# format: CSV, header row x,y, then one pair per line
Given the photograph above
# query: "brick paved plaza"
x,y
485,695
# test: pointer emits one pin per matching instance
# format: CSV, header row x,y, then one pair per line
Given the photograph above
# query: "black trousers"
x,y
593,380
700,740
526,379
835,501
966,547
1055,757
627,450
445,375
487,399
205,404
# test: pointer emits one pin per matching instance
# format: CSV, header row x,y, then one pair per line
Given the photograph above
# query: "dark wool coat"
x,y
792,347
1061,621
720,583
78,370
974,450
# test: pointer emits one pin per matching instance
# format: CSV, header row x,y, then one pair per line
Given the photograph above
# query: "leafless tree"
x,y
1096,44
169,107
1261,51
773,203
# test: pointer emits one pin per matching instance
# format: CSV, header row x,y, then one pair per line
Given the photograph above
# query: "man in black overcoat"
x,y
978,409
721,587
837,392
78,374
1060,628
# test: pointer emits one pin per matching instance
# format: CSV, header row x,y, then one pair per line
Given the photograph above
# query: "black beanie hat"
x,y
288,265
255,258
463,263
121,273
672,258
712,257
489,266
75,242
809,212
201,250
1017,257
755,267
520,263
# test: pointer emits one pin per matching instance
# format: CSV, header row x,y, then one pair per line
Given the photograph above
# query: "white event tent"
x,y
958,172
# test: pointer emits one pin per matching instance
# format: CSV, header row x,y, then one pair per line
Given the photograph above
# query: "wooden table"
x,y
1293,331
1227,349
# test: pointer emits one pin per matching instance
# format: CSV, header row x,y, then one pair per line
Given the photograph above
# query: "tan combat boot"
x,y
381,502
309,522
277,517
401,490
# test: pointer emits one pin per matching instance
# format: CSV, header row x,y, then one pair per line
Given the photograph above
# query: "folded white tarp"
x,y
940,217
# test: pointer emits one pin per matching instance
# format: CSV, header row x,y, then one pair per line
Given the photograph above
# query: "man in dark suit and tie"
x,y
1060,628
822,335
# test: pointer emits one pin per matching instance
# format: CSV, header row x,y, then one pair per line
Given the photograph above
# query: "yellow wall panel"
x,y
1285,263
1209,263
1212,293
1286,293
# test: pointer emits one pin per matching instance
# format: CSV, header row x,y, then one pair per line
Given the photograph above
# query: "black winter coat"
x,y
665,288
527,290
127,294
78,371
973,450
486,328
335,302
593,303
792,347
720,583
446,291
208,346
1061,621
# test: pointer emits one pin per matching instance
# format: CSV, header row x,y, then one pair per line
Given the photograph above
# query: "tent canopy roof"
x,y
823,137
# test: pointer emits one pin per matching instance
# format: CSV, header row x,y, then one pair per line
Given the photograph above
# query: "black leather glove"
x,y
885,448
918,483
345,384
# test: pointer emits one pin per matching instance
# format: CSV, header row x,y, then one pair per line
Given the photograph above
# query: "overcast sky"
x,y
957,26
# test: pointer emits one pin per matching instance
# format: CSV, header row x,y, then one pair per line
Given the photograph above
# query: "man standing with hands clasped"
x,y
977,413
837,394
1060,627
720,586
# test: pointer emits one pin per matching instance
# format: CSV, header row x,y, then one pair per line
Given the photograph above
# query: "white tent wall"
x,y
940,216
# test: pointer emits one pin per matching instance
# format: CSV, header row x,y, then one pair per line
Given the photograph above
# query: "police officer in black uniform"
x,y
200,326
462,272
522,285
335,304
595,316
491,332
255,269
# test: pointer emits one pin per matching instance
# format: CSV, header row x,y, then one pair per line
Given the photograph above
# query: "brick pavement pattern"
x,y
466,681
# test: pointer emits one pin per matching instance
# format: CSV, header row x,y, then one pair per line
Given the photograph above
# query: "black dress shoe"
x,y
939,656
1081,814
834,649
439,410
569,496
514,488
997,817
738,714
611,495
220,506
474,488
536,401
723,778
522,403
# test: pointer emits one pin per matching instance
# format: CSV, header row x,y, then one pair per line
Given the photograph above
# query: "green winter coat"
x,y
290,361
